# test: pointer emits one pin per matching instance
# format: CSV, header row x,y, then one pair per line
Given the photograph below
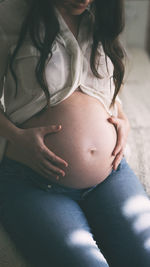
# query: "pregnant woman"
x,y
65,185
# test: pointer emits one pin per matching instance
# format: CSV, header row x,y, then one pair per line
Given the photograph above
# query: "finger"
x,y
50,129
119,144
49,174
117,148
39,169
117,160
52,157
47,165
113,120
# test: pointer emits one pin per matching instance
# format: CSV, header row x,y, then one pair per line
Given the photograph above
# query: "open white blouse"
x,y
68,69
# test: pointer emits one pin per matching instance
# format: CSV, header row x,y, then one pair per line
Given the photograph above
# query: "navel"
x,y
92,151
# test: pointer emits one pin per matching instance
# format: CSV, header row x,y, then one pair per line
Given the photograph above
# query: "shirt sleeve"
x,y
4,51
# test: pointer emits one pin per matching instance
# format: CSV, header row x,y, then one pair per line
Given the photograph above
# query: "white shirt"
x,y
71,63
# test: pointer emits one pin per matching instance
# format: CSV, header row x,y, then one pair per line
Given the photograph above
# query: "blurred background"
x,y
135,94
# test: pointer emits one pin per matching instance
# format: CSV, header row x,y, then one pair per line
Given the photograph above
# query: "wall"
x,y
148,30
135,33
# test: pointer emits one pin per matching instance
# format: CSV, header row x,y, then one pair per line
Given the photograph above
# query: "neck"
x,y
69,18
73,21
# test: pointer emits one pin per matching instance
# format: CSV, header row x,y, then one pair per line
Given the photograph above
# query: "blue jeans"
x,y
56,226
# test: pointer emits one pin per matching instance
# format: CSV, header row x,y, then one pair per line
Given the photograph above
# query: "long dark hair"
x,y
108,23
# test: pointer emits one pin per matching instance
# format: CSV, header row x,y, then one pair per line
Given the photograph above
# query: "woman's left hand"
x,y
122,126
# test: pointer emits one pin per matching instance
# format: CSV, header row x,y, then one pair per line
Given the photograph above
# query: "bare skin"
x,y
85,141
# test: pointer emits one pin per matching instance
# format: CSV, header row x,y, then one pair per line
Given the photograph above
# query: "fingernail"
x,y
58,127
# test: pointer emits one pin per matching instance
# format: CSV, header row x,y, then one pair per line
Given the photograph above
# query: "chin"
x,y
76,11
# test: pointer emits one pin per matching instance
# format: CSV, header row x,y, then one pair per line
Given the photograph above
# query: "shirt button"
x,y
49,186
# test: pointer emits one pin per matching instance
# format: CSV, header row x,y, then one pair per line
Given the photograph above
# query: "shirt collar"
x,y
84,35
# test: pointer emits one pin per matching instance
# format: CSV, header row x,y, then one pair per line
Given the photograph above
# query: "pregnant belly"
x,y
86,140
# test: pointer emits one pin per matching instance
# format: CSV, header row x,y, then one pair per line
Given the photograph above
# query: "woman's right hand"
x,y
31,150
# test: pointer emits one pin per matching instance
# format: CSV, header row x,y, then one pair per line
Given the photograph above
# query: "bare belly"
x,y
86,140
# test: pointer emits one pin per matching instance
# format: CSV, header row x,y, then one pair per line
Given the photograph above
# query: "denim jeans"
x,y
56,226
